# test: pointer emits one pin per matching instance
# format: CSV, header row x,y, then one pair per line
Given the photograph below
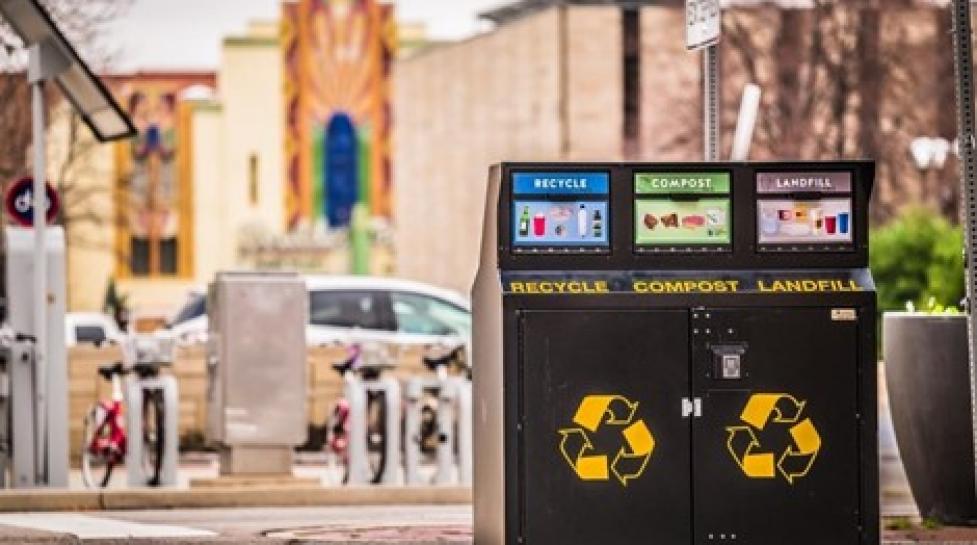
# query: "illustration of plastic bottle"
x,y
598,225
582,221
524,223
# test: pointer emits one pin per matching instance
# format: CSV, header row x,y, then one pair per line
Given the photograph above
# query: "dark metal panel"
x,y
810,354
567,356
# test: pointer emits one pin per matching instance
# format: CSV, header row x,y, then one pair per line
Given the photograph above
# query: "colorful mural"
x,y
153,191
337,65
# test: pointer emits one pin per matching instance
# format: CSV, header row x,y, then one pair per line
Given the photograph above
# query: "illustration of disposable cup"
x,y
830,224
539,224
843,223
817,221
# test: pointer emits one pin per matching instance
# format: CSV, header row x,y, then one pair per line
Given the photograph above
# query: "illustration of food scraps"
x,y
714,219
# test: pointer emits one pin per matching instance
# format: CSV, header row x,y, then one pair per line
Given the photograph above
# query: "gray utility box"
x,y
256,361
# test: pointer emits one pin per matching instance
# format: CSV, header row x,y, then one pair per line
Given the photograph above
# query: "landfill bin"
x,y
674,354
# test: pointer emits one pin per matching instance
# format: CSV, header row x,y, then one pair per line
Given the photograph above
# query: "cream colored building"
x,y
233,139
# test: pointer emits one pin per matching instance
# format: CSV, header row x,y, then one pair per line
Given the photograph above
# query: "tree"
x,y
848,79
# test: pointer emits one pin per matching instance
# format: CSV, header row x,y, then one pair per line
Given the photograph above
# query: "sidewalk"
x,y
377,525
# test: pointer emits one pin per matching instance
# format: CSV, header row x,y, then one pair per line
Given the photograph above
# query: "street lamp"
x,y
51,58
930,154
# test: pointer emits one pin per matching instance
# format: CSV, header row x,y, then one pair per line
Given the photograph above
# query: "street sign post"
x,y
963,62
19,202
703,29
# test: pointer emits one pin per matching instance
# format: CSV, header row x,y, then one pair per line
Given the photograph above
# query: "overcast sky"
x,y
187,33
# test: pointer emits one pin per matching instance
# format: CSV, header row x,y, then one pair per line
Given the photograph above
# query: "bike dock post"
x,y
447,396
465,447
135,389
455,432
390,387
357,391
453,455
357,464
414,397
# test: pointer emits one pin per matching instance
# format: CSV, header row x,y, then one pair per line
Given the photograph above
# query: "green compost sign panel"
x,y
701,216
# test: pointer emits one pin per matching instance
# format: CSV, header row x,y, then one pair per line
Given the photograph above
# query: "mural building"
x,y
337,63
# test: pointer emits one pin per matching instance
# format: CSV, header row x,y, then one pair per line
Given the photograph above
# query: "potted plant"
x,y
918,257
928,380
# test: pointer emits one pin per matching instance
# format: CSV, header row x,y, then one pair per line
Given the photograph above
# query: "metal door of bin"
x,y
567,356
808,354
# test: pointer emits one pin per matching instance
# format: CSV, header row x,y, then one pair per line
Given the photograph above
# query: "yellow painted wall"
x,y
244,118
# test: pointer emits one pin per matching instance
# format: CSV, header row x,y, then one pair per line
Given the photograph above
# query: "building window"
x,y
253,179
631,37
154,204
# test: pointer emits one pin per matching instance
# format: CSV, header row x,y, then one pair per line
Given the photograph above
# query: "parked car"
x,y
348,309
90,328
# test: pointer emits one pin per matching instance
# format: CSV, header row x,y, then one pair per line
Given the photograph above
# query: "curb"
x,y
14,501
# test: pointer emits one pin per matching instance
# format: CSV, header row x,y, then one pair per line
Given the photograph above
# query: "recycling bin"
x,y
675,354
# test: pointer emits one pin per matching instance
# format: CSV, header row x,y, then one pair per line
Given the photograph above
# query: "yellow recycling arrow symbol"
x,y
797,459
631,459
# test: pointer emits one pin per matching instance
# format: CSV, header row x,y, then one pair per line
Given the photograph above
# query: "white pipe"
x,y
745,124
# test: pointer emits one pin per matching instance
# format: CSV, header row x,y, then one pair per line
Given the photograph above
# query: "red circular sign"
x,y
19,202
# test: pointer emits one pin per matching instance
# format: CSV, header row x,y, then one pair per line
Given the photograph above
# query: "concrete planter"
x,y
928,379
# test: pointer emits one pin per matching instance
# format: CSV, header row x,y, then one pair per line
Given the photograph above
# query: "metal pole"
x,y
710,95
40,270
963,62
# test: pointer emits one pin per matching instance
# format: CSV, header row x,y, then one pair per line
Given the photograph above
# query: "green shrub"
x,y
918,258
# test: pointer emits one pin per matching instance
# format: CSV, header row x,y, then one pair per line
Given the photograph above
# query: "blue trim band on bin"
x,y
561,183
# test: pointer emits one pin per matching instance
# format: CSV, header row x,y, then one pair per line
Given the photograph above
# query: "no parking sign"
x,y
19,202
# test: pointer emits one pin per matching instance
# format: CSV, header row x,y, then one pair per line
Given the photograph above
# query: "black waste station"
x,y
676,354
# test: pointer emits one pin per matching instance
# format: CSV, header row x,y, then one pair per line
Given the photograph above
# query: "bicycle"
x,y
104,437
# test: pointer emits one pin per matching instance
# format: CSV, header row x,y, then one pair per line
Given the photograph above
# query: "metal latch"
x,y
691,407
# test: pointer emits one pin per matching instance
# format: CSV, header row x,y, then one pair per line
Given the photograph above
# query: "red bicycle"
x,y
104,438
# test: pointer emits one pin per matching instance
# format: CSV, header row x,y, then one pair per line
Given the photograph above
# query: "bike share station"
x,y
34,398
676,354
372,457
452,421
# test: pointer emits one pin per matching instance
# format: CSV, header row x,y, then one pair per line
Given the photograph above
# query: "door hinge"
x,y
691,407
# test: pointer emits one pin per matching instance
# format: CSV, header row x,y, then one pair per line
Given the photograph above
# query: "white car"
x,y
345,309
90,328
